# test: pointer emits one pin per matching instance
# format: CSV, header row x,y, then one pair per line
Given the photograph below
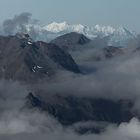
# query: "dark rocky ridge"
x,y
111,51
70,41
69,109
74,42
23,59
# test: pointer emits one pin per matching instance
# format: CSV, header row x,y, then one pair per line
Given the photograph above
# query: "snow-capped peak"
x,y
64,27
57,27
78,28
123,31
107,30
90,32
53,30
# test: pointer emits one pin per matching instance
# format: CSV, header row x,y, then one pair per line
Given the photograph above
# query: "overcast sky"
x,y
88,12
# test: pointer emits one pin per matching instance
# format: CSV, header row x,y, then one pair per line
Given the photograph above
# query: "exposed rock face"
x,y
69,110
23,59
98,49
70,41
111,51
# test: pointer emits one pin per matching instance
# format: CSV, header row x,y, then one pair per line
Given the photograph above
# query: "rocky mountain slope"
x,y
23,59
71,110
70,41
118,36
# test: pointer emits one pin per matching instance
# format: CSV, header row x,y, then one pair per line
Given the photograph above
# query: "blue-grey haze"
x,y
88,12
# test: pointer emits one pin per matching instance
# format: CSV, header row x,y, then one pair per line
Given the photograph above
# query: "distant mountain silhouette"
x,y
70,41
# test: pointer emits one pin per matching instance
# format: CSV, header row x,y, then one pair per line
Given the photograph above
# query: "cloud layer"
x,y
115,78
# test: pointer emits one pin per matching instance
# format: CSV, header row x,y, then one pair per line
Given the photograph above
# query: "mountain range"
x,y
117,36
65,73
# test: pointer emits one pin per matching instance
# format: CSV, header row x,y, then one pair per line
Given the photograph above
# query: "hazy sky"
x,y
89,12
